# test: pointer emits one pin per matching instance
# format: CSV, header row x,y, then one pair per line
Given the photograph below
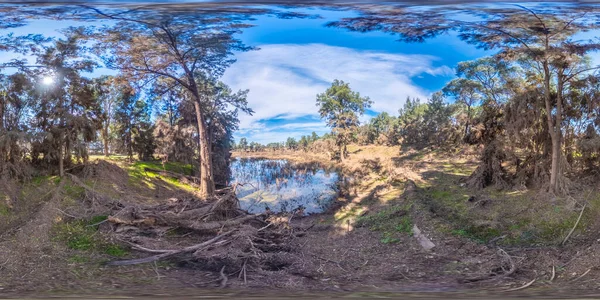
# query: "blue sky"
x,y
299,58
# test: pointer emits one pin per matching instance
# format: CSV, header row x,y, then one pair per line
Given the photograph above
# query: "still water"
x,y
281,186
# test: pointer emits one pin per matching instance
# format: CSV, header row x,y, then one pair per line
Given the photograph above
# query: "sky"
x,y
299,58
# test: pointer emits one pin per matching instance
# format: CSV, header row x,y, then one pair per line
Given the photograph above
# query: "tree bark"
x,y
2,113
553,125
105,141
207,184
61,158
465,138
342,152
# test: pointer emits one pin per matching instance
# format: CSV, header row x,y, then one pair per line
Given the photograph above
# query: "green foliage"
x,y
340,107
243,144
143,141
291,143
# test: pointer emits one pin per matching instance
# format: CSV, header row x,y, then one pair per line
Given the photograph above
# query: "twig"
x,y
156,271
66,214
585,273
223,277
243,271
263,228
96,224
576,223
553,273
521,287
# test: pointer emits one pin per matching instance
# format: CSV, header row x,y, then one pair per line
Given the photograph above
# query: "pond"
x,y
281,186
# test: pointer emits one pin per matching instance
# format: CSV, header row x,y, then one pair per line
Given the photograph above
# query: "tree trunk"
x,y
61,158
105,140
342,154
466,137
553,126
207,184
2,114
129,145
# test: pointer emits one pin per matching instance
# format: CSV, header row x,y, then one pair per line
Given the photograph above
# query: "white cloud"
x,y
284,79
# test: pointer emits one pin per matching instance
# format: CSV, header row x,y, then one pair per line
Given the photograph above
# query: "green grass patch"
x,y
83,235
78,259
115,250
4,210
139,174
391,222
175,167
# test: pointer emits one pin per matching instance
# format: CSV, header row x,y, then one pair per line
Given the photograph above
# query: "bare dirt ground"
x,y
365,243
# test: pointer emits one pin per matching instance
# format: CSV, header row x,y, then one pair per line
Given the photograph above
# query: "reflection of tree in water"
x,y
278,173
283,186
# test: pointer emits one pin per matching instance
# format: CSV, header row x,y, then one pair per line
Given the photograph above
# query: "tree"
x,y
464,91
540,40
340,107
437,126
380,128
143,140
15,101
304,142
67,109
107,93
291,143
410,125
181,48
131,119
314,137
546,47
243,144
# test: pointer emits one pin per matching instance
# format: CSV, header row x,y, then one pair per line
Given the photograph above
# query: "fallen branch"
x,y
208,226
576,223
585,273
168,253
553,273
521,287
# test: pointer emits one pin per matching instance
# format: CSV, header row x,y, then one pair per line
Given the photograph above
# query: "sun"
x,y
48,80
